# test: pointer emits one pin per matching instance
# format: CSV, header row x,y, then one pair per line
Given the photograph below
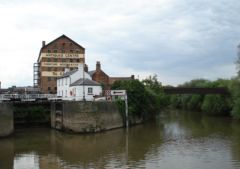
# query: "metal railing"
x,y
26,97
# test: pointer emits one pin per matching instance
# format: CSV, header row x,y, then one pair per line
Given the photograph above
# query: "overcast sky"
x,y
177,40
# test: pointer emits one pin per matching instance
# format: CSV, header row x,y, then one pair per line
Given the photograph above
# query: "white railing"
x,y
26,97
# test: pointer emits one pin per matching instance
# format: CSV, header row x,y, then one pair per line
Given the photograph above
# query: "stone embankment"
x,y
85,117
6,120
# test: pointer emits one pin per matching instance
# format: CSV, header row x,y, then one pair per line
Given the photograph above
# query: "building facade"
x,y
78,85
53,58
105,80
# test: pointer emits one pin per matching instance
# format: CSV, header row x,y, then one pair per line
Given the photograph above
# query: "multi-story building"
x,y
53,58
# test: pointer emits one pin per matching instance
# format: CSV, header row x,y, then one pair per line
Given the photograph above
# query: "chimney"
x,y
132,77
66,70
86,68
98,66
43,43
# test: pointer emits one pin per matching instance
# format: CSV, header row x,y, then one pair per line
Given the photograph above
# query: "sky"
x,y
176,40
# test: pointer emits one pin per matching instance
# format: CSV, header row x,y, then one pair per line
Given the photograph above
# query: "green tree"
x,y
215,104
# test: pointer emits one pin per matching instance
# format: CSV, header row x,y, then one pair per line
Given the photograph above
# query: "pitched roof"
x,y
62,36
89,82
67,74
91,72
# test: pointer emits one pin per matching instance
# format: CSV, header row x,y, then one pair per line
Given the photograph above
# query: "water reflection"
x,y
175,140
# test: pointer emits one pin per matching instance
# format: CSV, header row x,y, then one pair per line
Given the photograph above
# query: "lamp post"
x,y
83,83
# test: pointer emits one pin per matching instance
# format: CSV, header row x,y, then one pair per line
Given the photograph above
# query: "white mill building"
x,y
78,85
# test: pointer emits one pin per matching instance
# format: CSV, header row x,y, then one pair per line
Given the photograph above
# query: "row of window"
x,y
56,69
61,82
62,51
64,94
61,60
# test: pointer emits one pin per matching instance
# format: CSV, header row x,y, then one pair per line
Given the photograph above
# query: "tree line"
x,y
146,97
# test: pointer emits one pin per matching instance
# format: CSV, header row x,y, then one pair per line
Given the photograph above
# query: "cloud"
x,y
178,40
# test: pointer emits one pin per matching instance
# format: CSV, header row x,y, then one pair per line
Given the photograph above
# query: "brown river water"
x,y
175,140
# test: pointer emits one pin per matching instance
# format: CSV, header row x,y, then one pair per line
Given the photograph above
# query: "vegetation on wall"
x,y
32,114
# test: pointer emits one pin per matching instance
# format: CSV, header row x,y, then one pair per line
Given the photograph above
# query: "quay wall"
x,y
85,117
6,119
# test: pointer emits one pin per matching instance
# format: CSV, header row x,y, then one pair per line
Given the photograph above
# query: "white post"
x,y
126,109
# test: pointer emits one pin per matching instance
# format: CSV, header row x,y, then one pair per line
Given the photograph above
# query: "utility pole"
x,y
83,84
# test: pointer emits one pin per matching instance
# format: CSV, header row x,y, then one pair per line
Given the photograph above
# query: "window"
x,y
66,81
65,93
78,60
55,59
90,90
71,60
55,51
63,51
49,69
49,51
49,59
49,88
49,79
55,88
71,51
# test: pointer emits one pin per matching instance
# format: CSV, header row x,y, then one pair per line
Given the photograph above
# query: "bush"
x,y
215,105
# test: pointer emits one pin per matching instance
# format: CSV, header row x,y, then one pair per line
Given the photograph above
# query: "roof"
x,y
67,74
89,82
91,72
62,36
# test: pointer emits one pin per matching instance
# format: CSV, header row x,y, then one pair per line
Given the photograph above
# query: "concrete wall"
x,y
84,117
6,119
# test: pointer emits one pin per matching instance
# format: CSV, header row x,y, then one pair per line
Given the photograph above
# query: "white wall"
x,y
76,92
79,74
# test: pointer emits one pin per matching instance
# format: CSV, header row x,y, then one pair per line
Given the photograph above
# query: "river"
x,y
175,140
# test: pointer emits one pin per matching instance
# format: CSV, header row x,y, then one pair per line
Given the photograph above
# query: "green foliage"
x,y
215,105
137,96
211,104
195,102
31,114
145,99
235,92
236,108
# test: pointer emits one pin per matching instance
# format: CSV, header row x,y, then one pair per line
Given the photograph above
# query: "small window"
x,y
55,88
49,88
49,51
71,60
55,51
78,60
90,90
49,59
71,51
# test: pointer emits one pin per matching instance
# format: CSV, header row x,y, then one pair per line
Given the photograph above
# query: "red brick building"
x,y
53,58
100,76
